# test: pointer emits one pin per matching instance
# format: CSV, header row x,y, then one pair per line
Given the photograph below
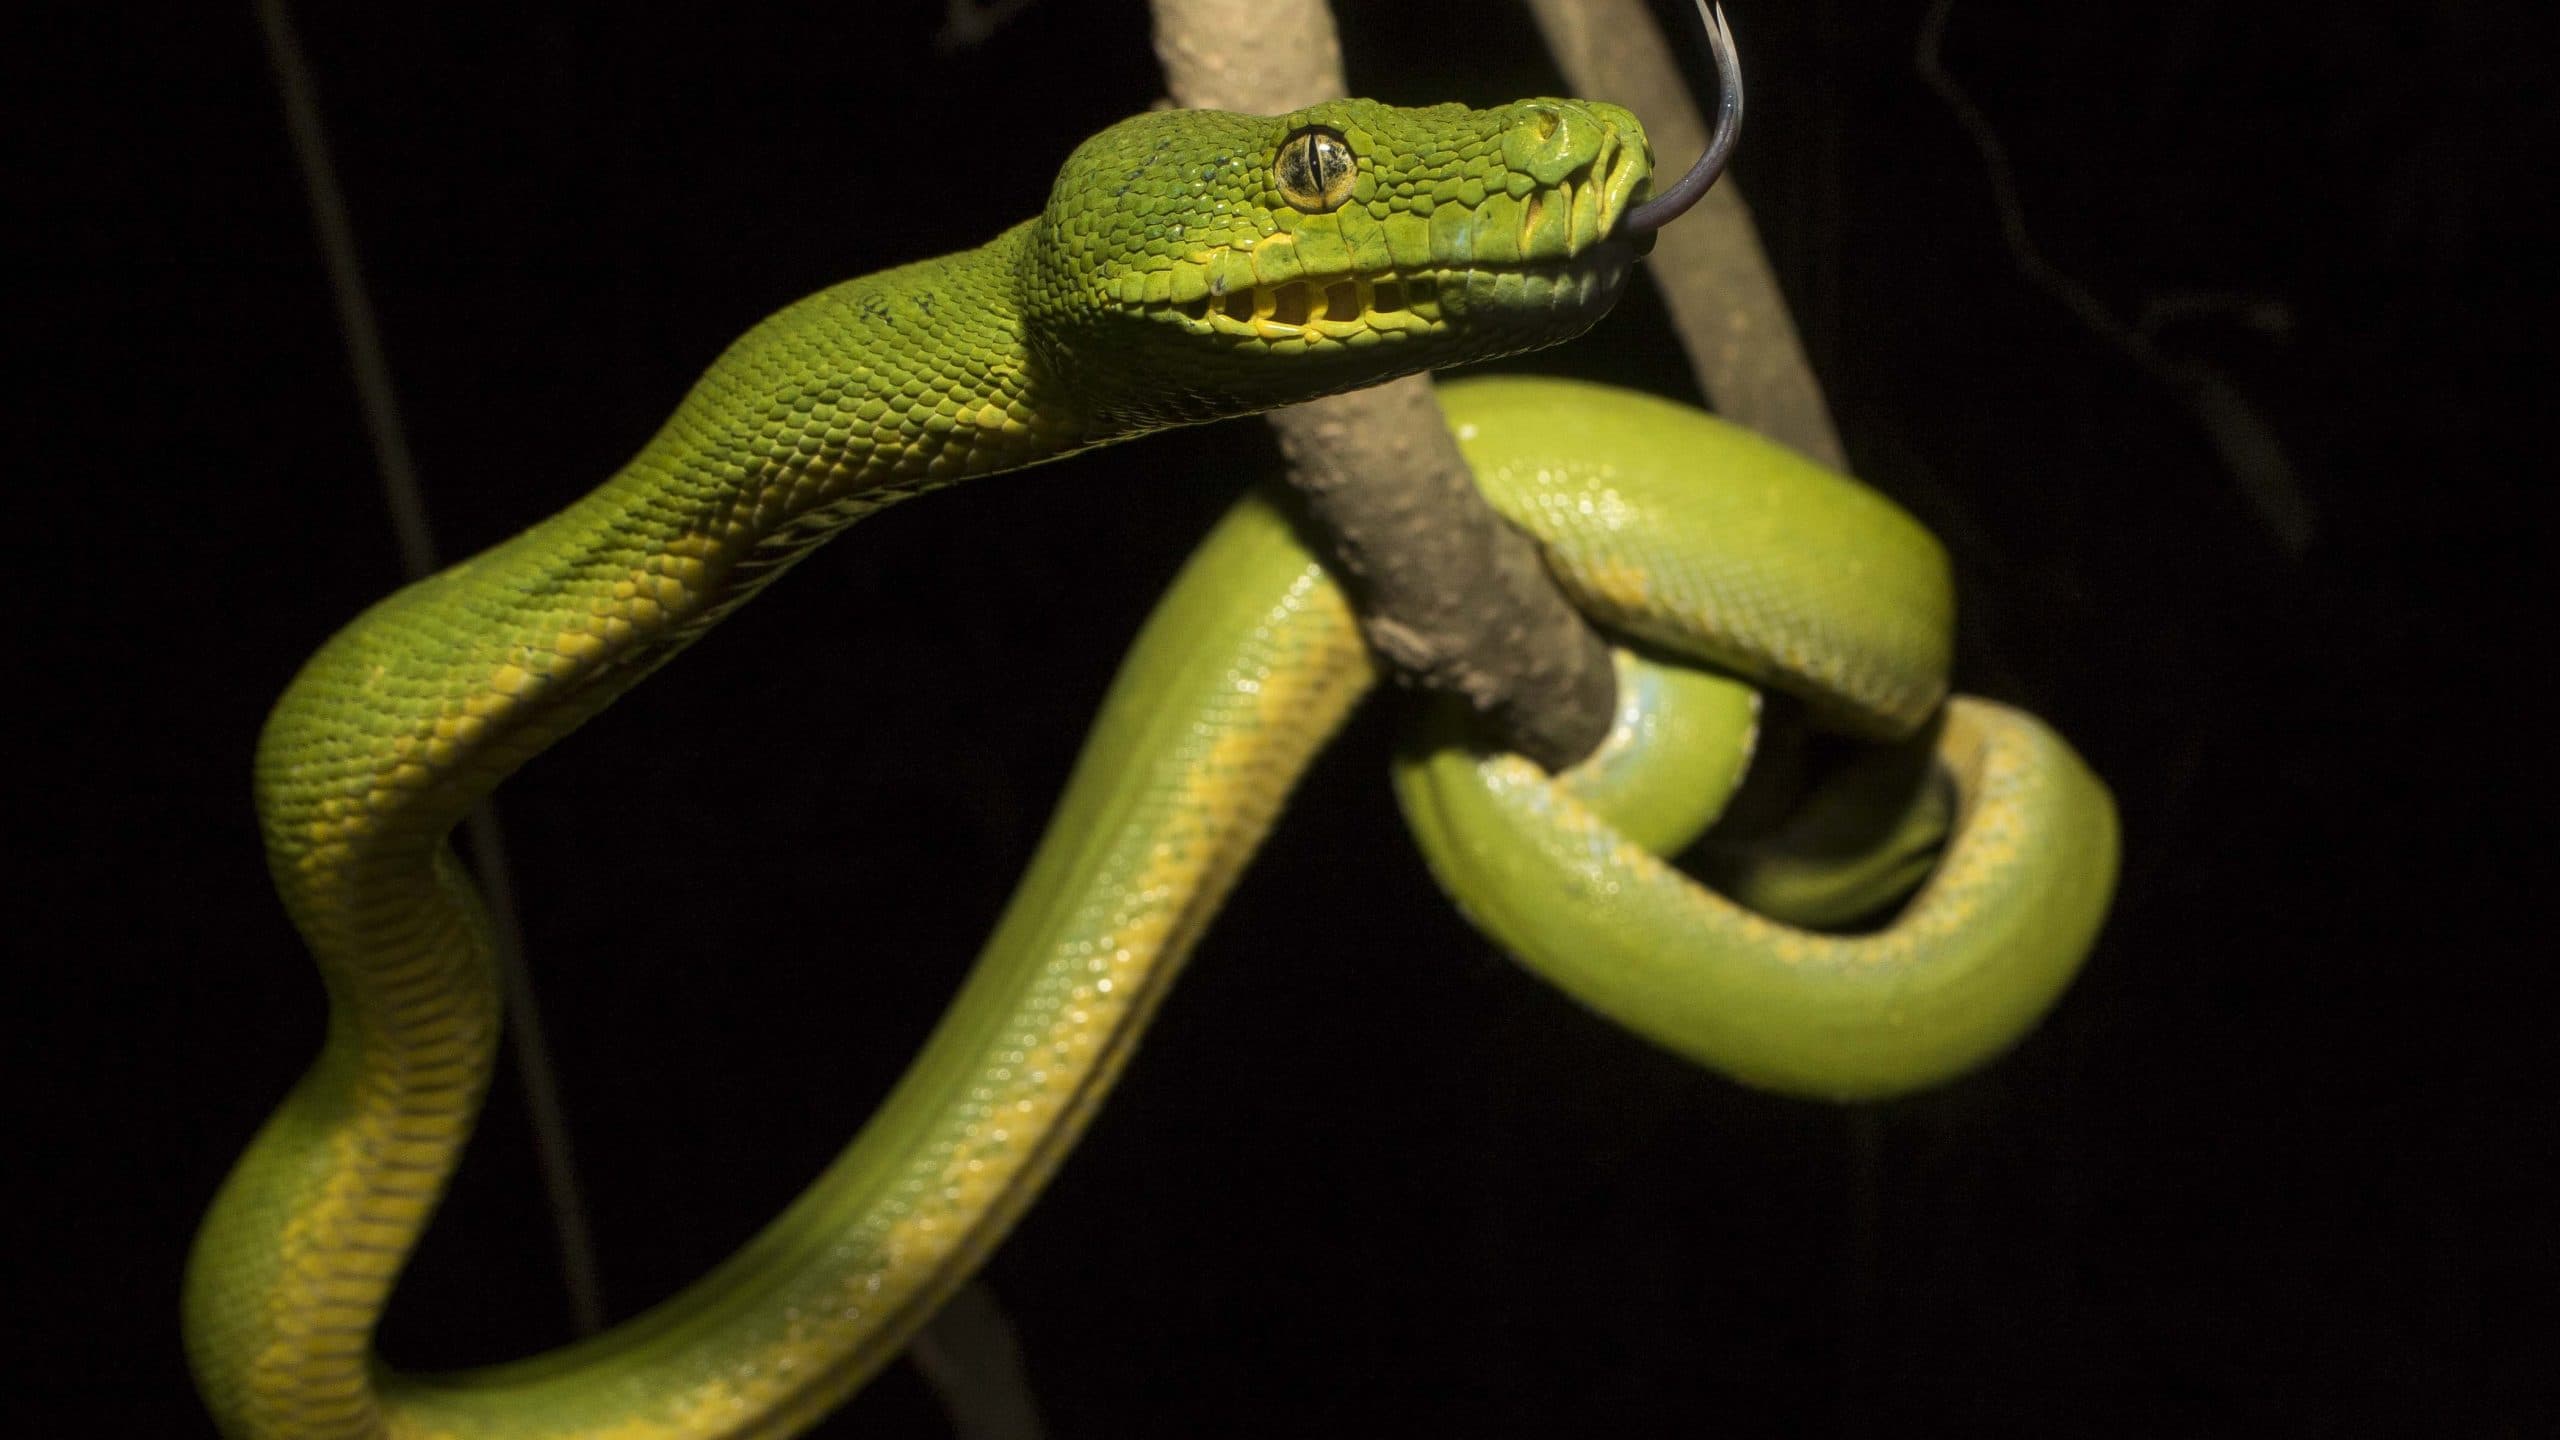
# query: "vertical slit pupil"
x,y
1314,170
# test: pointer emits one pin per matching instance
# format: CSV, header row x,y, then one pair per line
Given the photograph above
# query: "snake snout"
x,y
1573,167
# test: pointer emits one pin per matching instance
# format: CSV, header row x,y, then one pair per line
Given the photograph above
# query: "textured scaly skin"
x,y
1166,282
1724,548
1155,290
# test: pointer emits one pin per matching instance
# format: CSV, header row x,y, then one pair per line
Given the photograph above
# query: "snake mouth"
x,y
1356,309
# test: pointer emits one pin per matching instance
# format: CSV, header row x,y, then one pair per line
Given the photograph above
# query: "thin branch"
x,y
356,324
406,501
1255,57
2248,446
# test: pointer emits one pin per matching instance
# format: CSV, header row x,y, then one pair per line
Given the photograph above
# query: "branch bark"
x,y
1451,599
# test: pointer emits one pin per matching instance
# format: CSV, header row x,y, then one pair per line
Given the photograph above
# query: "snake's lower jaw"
x,y
1373,326
1476,311
1247,349
1541,304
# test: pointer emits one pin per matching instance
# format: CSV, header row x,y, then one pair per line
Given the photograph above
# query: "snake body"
x,y
1188,266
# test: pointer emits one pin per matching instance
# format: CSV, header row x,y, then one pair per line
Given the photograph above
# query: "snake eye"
x,y
1315,169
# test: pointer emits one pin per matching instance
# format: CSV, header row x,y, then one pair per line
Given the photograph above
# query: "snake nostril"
x,y
1544,141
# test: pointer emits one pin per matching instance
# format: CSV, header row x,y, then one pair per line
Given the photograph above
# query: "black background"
x,y
2268,1170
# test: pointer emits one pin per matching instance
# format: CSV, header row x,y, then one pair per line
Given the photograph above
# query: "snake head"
x,y
1231,263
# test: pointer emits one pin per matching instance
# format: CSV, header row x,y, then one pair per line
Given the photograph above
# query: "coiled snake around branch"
x,y
1189,266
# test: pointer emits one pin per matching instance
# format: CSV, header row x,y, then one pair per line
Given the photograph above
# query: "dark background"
x,y
2268,1170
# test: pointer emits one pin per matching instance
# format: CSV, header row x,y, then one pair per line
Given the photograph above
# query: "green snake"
x,y
1189,266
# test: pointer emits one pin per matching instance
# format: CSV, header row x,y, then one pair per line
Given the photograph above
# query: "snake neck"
x,y
863,394
838,405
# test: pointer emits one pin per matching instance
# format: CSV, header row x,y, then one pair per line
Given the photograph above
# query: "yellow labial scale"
x,y
1584,218
422,1154
354,1295
367,1267
336,1329
400,1208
